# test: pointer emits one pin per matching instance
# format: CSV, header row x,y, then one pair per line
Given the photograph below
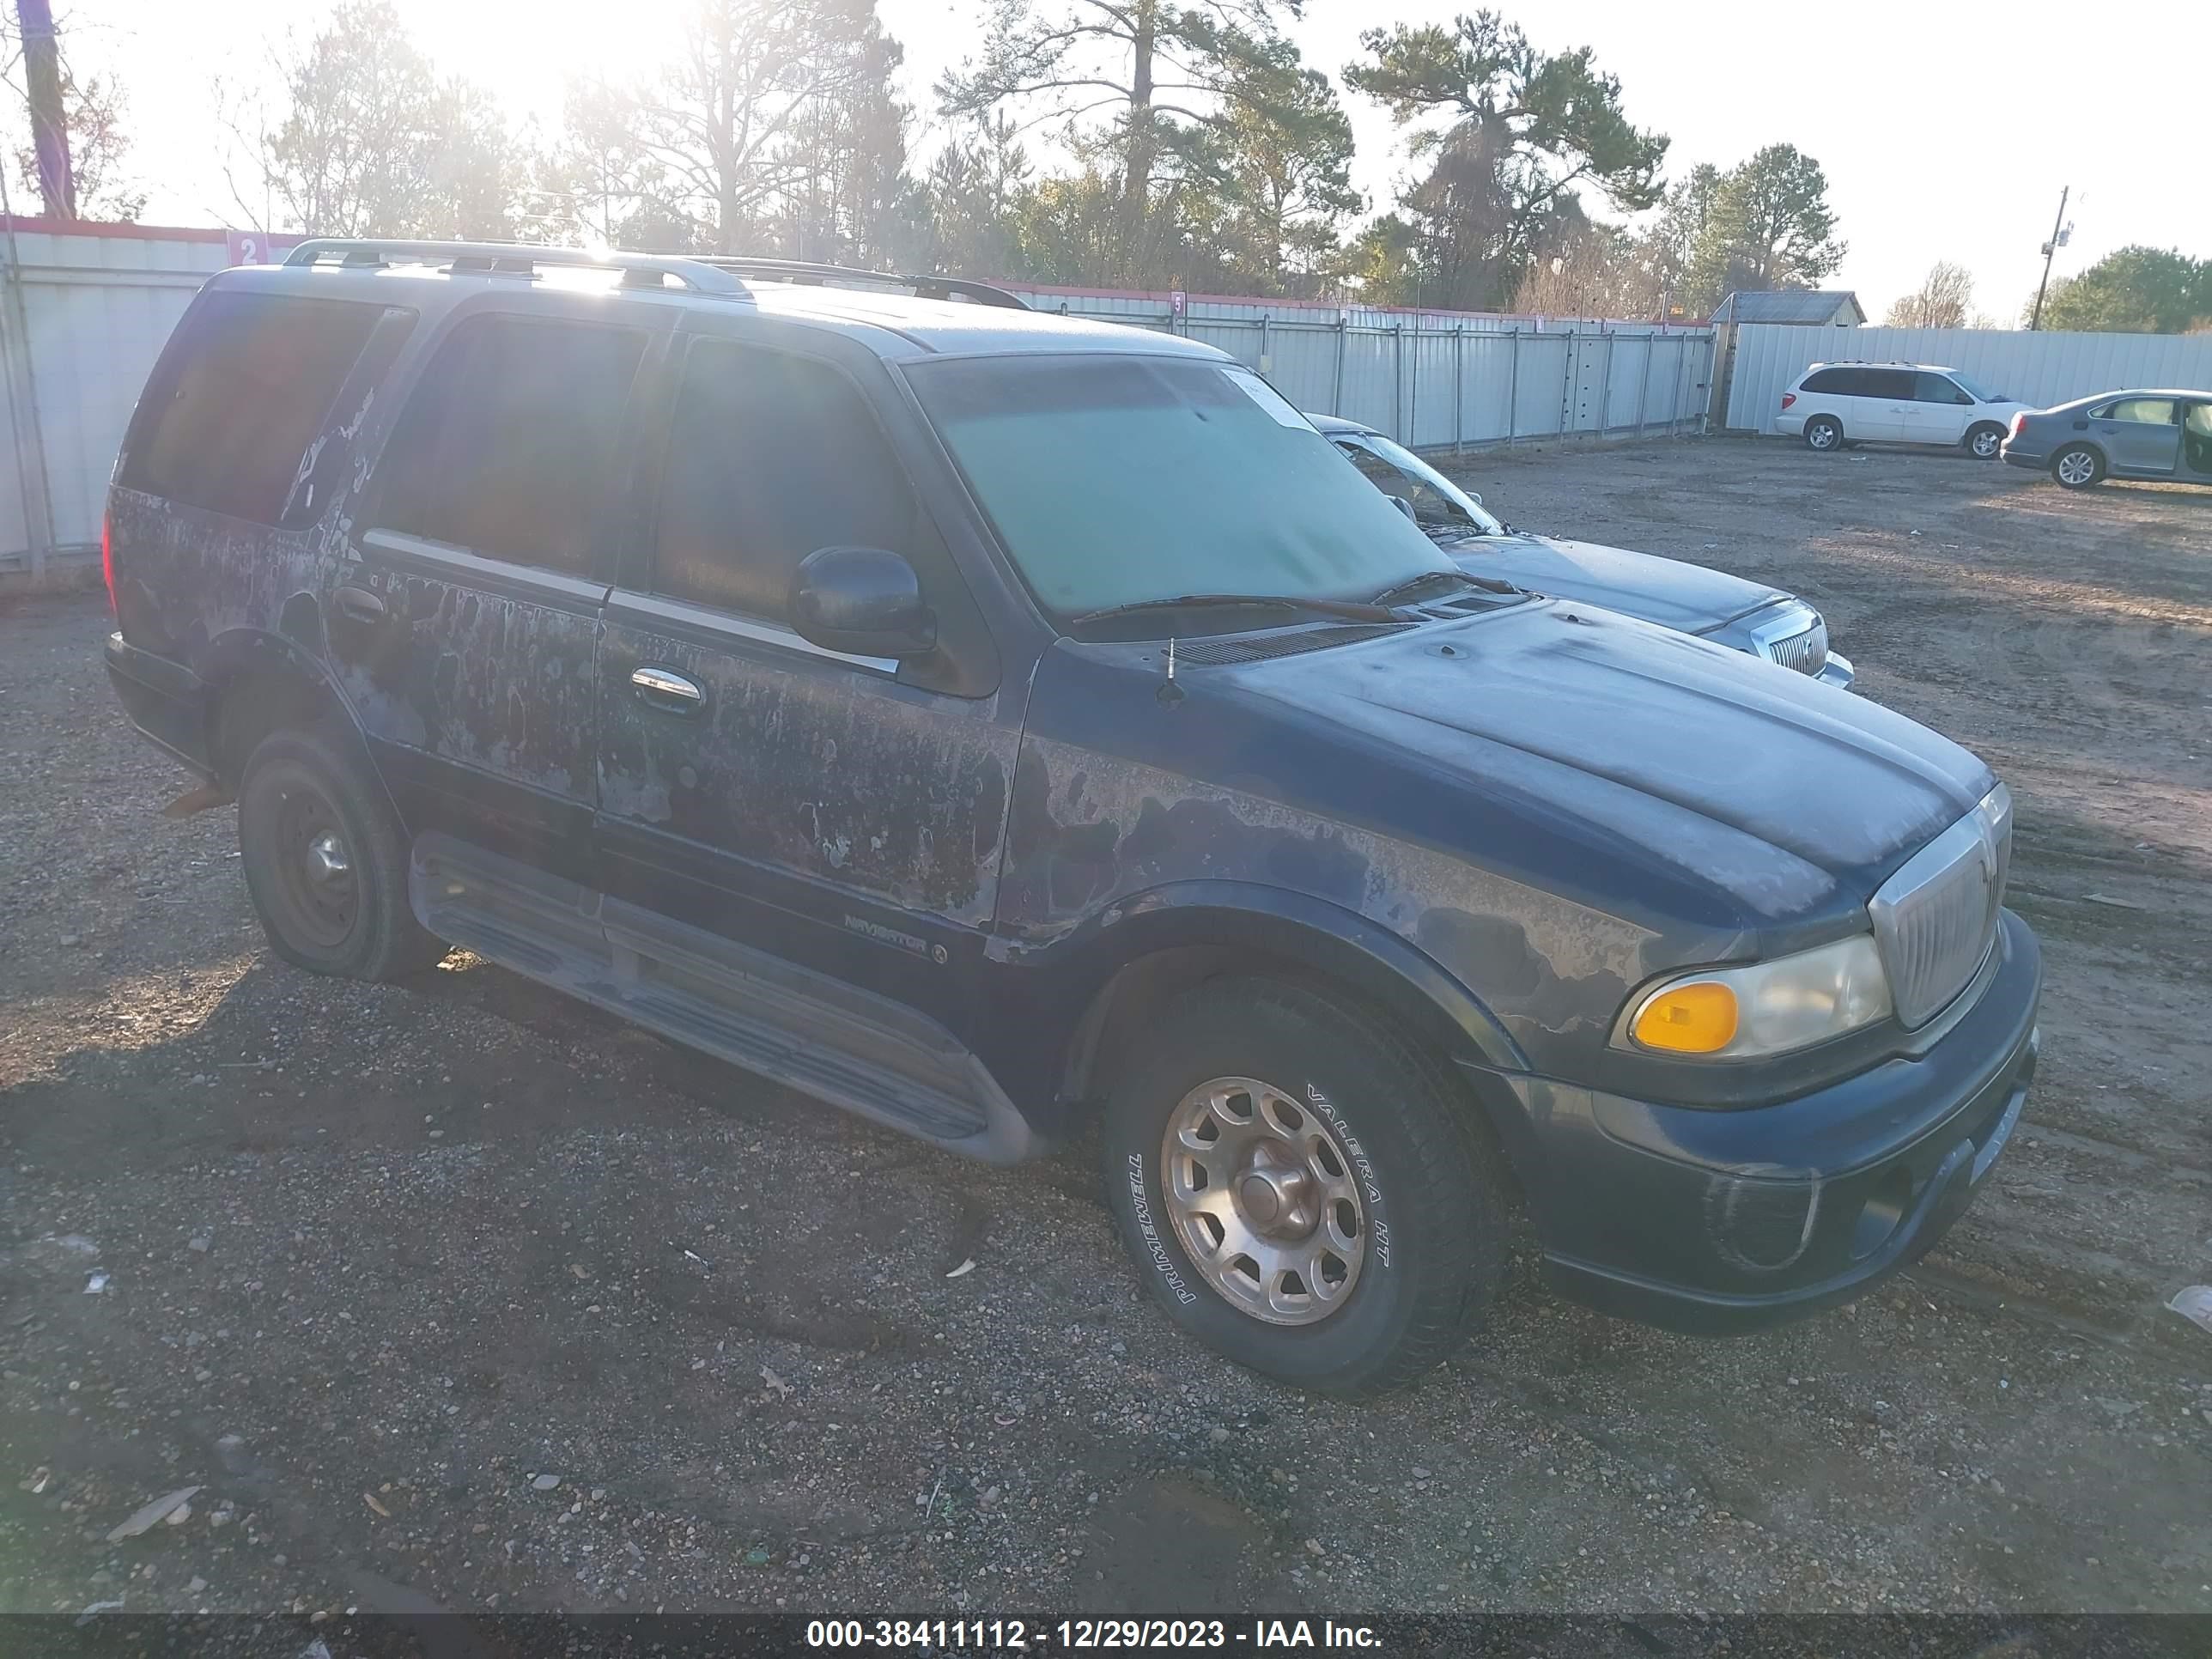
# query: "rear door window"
x,y
1892,384
507,446
243,387
770,457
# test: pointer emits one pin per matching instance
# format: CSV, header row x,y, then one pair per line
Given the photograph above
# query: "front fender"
x,y
1046,1001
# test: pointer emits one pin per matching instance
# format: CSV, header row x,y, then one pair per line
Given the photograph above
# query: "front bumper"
x,y
1707,1221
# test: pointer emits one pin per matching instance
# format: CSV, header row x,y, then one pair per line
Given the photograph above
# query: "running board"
x,y
866,1054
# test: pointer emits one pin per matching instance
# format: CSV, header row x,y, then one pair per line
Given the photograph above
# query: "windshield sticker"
x,y
1271,400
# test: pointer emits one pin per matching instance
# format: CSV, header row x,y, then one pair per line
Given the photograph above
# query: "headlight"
x,y
1762,1007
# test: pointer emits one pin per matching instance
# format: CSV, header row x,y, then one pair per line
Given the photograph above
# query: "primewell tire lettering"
x,y
1153,1242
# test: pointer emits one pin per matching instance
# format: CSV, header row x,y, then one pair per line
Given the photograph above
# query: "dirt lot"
x,y
381,1264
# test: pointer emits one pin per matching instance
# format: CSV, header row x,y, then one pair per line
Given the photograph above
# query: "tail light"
x,y
1788,398
107,561
2018,421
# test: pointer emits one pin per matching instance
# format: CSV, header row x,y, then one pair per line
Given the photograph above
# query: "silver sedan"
x,y
2162,434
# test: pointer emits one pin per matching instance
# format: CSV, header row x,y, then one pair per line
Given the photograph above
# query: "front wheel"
x,y
2077,466
1984,442
1823,433
1302,1190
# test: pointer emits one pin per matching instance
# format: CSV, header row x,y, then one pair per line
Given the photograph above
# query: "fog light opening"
x,y
1882,1213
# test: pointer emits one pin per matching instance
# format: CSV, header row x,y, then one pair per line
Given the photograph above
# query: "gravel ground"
x,y
456,1294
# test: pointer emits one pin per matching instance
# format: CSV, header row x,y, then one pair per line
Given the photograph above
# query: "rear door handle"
x,y
359,603
664,688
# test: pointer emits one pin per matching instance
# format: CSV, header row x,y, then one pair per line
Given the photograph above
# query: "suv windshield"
x,y
1437,502
1116,480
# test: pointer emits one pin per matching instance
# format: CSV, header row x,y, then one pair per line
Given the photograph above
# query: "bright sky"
x,y
1941,126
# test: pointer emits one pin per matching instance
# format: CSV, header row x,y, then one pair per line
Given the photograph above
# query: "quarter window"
x,y
770,457
507,446
241,391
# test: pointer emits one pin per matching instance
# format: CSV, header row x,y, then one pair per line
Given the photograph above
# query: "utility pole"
x,y
2057,240
42,78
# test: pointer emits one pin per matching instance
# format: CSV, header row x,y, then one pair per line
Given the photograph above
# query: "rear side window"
x,y
770,457
2143,412
240,392
1835,382
507,446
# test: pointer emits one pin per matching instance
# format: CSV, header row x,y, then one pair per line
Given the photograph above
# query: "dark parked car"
x,y
1007,728
1748,617
2117,434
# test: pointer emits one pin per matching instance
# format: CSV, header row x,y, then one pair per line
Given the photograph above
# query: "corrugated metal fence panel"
x,y
2040,368
99,310
1438,379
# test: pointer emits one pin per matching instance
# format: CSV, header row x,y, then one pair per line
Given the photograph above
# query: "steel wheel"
x,y
1261,1196
2076,469
315,869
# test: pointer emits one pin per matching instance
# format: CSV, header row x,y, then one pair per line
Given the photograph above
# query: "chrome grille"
x,y
1935,918
1806,652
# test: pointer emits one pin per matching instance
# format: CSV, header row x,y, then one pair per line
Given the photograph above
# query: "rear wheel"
x,y
325,860
1823,433
2077,466
1302,1190
1984,442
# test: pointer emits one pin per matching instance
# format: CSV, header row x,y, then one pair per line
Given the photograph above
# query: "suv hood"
x,y
1548,727
1667,592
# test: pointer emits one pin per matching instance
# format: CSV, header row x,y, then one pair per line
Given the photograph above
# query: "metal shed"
x,y
1804,307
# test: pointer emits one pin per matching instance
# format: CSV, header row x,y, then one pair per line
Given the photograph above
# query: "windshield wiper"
x,y
1350,610
1414,584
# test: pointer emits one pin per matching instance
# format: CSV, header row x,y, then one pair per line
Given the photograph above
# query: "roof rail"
x,y
811,272
514,259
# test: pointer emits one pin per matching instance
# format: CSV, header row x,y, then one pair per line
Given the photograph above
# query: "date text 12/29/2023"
x,y
1011,1634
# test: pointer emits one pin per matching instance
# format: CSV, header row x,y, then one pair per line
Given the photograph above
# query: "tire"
x,y
1823,433
1984,442
2078,466
326,859
1317,1109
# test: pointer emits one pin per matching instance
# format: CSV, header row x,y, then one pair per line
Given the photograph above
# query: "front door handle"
x,y
359,603
664,688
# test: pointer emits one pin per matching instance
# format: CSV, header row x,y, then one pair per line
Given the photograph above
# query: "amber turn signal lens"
x,y
1696,1018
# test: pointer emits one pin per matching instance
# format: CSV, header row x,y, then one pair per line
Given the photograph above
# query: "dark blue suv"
x,y
1013,730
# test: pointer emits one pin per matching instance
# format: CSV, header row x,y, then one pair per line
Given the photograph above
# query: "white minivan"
x,y
1833,405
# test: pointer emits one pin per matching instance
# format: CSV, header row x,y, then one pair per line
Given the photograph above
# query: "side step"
x,y
867,1053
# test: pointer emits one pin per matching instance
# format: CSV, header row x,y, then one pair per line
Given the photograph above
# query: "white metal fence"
x,y
82,316
84,312
1441,380
2040,369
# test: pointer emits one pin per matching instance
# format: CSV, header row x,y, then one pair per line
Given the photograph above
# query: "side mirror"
x,y
863,601
1405,506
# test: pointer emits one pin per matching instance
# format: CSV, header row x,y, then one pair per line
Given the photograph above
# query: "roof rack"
x,y
811,272
514,259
